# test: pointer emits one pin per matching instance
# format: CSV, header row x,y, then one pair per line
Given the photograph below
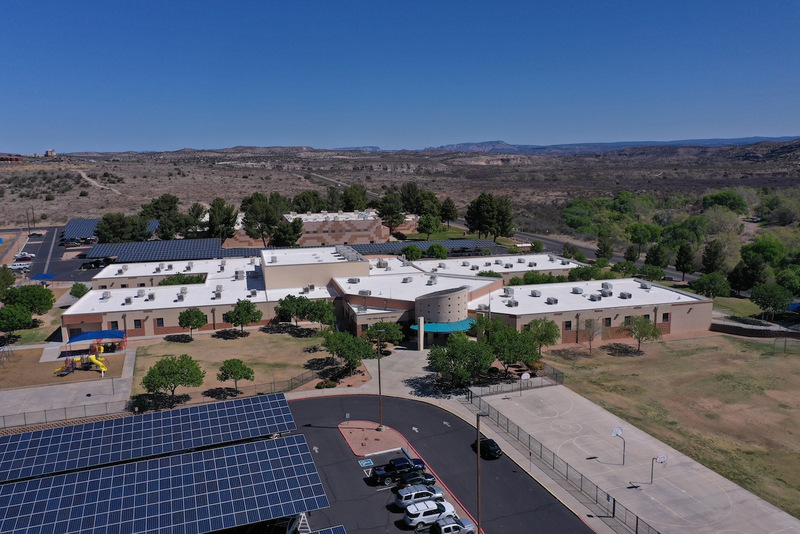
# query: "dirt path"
x,y
97,184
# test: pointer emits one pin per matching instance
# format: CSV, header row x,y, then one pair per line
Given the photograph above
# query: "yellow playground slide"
x,y
98,362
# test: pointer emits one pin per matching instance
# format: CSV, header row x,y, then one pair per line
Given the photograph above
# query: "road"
x,y
512,501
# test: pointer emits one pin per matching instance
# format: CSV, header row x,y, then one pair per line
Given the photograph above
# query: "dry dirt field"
x,y
732,404
24,369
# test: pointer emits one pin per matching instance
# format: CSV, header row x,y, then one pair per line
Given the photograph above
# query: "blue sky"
x,y
142,75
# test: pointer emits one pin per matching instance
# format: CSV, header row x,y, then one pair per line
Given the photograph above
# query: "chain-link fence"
x,y
548,376
601,501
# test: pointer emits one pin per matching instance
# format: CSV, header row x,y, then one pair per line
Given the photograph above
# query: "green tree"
x,y
7,280
411,252
119,228
790,279
287,233
221,219
36,299
437,250
605,245
194,224
448,211
641,329
657,255
651,272
180,279
192,318
352,350
544,333
333,199
292,307
481,214
769,247
503,223
13,318
171,372
631,254
643,234
391,211
537,246
713,257
771,298
750,271
626,268
244,313
729,199
321,311
461,359
508,346
428,224
684,260
712,285
354,198
260,217
392,333
164,209
235,369
309,202
78,290
409,197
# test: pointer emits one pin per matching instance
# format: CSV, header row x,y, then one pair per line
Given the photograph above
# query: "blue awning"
x,y
458,326
44,276
101,334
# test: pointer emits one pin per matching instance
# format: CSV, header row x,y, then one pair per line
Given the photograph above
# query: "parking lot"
x,y
50,257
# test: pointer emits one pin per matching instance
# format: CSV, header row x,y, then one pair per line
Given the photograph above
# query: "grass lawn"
x,y
273,357
731,404
737,306
51,321
445,233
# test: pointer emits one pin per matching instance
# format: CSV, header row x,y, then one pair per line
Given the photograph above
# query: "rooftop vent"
x,y
483,307
124,267
625,295
158,269
442,265
253,292
311,287
189,265
606,293
475,268
181,296
273,259
128,300
646,285
184,290
508,291
536,293
223,262
432,281
520,260
106,295
252,261
161,266
498,262
607,285
219,288
512,303
531,264
508,265
239,275
120,271
365,292
552,258
169,266
408,280
465,263
140,293
577,290
594,297
151,296
552,300
353,280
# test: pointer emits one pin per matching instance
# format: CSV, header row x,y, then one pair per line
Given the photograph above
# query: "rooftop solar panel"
x,y
80,228
192,493
339,529
179,249
61,449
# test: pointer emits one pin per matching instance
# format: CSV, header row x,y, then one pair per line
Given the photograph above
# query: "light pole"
x,y
617,432
380,428
478,455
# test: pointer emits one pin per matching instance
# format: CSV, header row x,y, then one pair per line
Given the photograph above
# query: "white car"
x,y
24,255
410,495
423,514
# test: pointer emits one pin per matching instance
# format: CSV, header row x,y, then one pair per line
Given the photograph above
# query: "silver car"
x,y
453,525
423,514
418,493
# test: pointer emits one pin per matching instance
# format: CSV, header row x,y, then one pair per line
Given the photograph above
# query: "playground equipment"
x,y
102,342
84,362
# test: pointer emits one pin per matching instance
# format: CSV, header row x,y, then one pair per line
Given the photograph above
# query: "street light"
x,y
478,455
380,428
617,433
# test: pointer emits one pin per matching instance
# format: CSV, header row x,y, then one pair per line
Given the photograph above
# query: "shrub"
x,y
324,384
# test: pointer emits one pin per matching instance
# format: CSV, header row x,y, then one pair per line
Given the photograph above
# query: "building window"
x,y
160,322
647,316
114,325
137,323
607,322
104,287
627,320
665,317
206,318
142,284
567,325
123,285
364,328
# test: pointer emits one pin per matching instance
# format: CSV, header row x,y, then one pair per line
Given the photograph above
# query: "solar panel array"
x,y
178,249
454,247
192,493
80,228
61,449
339,529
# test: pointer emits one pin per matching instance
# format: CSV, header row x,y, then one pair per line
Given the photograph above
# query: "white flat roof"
x,y
408,287
521,263
367,215
211,268
391,265
571,301
308,256
319,292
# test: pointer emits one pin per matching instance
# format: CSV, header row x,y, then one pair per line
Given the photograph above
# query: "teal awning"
x,y
458,326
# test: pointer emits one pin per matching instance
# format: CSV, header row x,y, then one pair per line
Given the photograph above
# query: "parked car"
x,y
416,477
388,473
35,234
488,448
20,266
453,525
419,493
24,256
423,514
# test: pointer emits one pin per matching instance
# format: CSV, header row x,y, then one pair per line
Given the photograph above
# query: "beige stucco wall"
x,y
447,306
278,275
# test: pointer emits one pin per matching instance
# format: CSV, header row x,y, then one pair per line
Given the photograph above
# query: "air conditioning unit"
x,y
365,292
577,290
408,280
498,262
124,267
646,285
169,266
531,264
217,294
140,293
311,287
465,264
520,260
536,293
158,269
607,285
606,293
511,303
239,275
219,288
552,300
120,271
106,295
253,292
594,297
252,261
483,307
128,300
189,266
181,296
564,262
353,280
161,266
223,263
551,257
508,265
475,268
382,264
434,269
432,281
508,291
625,295
184,290
487,264
151,296
442,265
273,259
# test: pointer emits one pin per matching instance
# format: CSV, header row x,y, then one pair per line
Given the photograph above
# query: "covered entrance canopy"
x,y
447,328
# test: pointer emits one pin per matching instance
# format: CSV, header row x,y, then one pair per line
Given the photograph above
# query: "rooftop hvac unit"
x,y
432,281
552,300
189,266
388,268
239,275
382,264
365,292
508,291
607,285
487,264
169,266
106,295
161,266
221,268
552,258
128,300
646,285
474,267
465,264
218,288
594,297
606,293
577,290
140,293
483,307
311,287
536,293
253,292
273,259
181,296
362,308
217,294
151,296
508,265
184,290
124,267
498,262
158,269
511,303
353,280
408,280
442,265
120,271
435,270
223,262
252,261
304,290
564,262
625,295
520,260
531,264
